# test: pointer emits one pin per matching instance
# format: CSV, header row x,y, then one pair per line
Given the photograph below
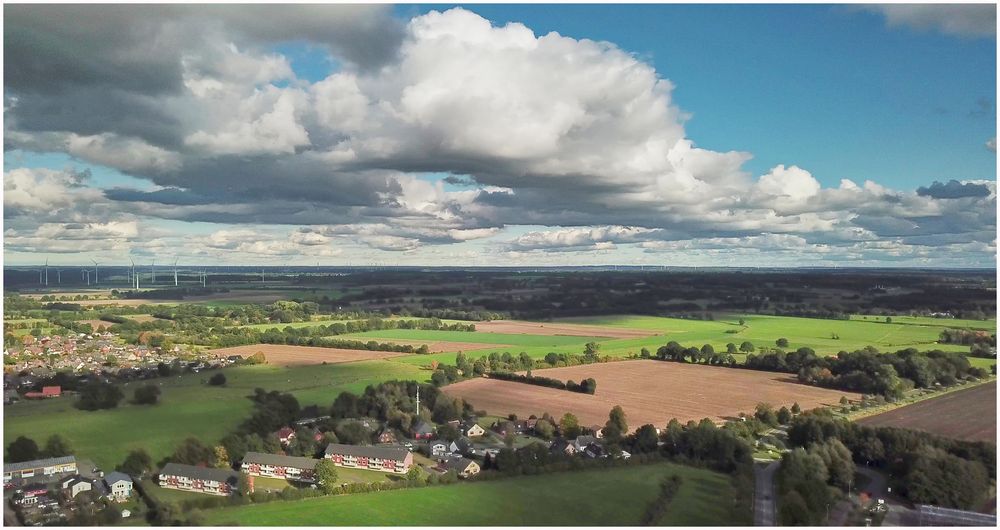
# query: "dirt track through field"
x,y
649,392
282,355
965,414
550,328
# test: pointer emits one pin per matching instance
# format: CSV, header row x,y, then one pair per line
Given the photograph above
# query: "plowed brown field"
x,y
649,392
966,414
550,328
283,355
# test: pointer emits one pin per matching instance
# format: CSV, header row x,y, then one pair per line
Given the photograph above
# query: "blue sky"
x,y
568,153
830,88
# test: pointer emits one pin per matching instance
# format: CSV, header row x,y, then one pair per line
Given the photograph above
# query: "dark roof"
x,y
35,464
268,459
116,476
200,473
463,444
559,445
423,427
458,464
383,452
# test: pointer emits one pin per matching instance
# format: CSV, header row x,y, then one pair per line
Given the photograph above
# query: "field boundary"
x,y
925,396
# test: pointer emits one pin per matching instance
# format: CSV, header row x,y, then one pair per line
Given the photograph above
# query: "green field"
x,y
763,330
956,323
327,322
188,408
589,498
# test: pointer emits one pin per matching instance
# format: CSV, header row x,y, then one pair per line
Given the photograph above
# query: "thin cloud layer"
x,y
577,138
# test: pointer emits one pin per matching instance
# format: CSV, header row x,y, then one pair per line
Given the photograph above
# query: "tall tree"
x,y
56,445
22,449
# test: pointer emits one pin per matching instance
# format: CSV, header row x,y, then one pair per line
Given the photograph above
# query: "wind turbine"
x,y
87,273
59,276
175,272
135,276
46,272
96,280
153,267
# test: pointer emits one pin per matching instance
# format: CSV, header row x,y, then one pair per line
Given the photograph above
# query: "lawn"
x,y
188,408
589,498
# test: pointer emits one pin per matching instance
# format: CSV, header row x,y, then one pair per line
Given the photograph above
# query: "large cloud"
x,y
967,20
542,130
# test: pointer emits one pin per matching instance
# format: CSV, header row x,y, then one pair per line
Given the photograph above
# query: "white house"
x,y
119,485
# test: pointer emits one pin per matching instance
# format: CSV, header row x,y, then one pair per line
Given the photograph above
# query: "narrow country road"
x,y
763,502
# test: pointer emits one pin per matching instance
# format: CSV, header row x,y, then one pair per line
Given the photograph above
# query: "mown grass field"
x,y
188,407
763,330
760,330
957,323
589,498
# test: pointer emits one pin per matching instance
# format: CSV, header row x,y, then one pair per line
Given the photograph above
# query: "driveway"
x,y
763,501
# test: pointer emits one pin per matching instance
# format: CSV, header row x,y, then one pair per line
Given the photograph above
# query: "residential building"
x,y
387,459
504,427
386,436
472,429
76,485
45,467
595,450
463,466
198,479
422,431
437,447
563,446
279,466
285,435
583,441
119,485
461,446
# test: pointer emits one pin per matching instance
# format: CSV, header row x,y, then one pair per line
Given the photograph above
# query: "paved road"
x,y
763,502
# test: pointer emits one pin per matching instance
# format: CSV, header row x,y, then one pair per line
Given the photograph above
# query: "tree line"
x,y
585,386
924,468
867,371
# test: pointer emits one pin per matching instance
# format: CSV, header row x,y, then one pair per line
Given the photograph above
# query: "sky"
x,y
684,135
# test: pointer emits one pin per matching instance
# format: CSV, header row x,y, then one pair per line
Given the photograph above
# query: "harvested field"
x,y
555,328
649,392
283,355
442,346
966,415
123,302
141,318
97,323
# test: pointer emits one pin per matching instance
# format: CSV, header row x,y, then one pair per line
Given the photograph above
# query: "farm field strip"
x,y
284,355
763,330
445,346
614,497
328,321
969,414
649,392
559,328
486,338
987,325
